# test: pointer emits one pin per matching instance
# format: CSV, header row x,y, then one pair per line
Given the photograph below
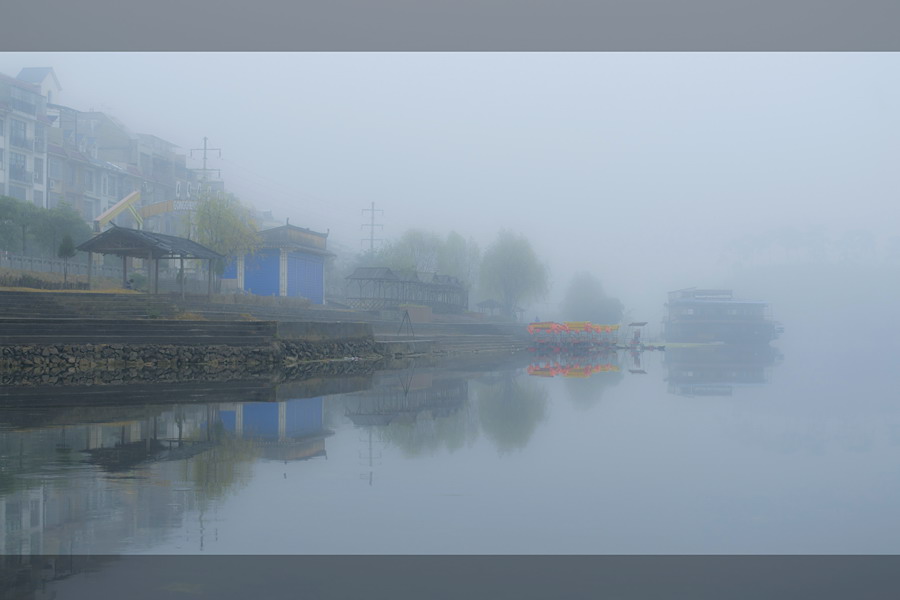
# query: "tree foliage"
x,y
28,229
586,300
511,272
459,258
425,251
415,250
66,251
223,224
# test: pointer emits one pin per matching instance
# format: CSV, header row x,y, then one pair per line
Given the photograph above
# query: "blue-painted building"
x,y
289,262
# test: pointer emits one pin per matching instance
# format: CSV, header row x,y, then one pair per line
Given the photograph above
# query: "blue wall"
x,y
261,272
305,276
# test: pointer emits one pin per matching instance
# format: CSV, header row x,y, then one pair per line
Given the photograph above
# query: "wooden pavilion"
x,y
152,247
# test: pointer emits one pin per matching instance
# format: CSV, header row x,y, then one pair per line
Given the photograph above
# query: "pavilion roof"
x,y
123,241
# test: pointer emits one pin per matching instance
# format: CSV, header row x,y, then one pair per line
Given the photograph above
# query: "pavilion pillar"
x,y
90,265
240,272
181,275
283,273
209,279
124,271
156,277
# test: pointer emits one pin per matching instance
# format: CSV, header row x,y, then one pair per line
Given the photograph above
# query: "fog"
x,y
652,171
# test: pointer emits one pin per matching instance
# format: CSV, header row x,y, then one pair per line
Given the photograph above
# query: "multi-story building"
x,y
23,137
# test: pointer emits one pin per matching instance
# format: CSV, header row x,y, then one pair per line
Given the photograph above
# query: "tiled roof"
x,y
124,241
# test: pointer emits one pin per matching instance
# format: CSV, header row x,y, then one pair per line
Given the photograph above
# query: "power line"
x,y
372,226
205,149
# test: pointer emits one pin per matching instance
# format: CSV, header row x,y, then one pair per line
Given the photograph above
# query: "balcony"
x,y
23,106
21,175
25,143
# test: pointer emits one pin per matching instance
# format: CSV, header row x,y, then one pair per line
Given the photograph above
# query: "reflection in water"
x,y
510,409
715,369
108,485
417,410
114,479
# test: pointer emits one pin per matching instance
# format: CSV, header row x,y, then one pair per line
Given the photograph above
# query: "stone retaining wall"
x,y
97,364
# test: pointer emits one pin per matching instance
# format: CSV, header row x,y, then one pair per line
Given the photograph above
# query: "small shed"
x,y
290,261
153,247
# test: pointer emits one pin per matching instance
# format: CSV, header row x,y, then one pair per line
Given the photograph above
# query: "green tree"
x,y
22,222
17,220
511,272
415,250
459,258
66,251
223,224
56,223
586,300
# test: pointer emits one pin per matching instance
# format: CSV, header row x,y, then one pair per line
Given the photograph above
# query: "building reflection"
x,y
286,430
105,479
416,410
717,369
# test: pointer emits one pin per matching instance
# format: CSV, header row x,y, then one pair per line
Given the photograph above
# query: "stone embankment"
x,y
66,352
98,364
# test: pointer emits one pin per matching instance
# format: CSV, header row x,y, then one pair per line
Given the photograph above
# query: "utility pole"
x,y
203,186
206,149
372,225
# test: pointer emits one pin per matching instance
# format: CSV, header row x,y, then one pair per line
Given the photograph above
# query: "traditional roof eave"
x,y
123,241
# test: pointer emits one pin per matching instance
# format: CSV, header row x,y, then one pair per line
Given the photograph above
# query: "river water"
x,y
773,450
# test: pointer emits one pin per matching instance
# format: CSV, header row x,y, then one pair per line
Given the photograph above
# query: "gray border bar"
x,y
450,25
401,577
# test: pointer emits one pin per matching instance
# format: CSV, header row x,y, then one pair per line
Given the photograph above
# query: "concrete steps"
x,y
89,306
461,342
123,331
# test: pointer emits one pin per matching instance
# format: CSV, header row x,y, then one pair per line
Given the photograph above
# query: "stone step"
x,y
50,340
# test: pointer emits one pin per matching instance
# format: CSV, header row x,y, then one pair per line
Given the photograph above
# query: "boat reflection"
x,y
717,369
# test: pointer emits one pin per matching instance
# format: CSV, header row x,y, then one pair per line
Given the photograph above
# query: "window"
x,y
13,516
1,159
18,193
18,167
104,184
39,198
39,138
39,169
55,169
17,132
89,180
1,126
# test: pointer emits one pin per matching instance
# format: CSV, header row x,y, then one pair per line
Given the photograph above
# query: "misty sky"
x,y
637,167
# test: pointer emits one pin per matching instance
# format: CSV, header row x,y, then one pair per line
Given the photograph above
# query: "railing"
x,y
22,142
21,175
22,106
55,265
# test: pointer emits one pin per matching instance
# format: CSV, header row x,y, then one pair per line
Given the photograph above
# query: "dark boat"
x,y
704,315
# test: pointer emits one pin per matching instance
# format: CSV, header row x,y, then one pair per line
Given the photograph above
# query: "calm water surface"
x,y
719,450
